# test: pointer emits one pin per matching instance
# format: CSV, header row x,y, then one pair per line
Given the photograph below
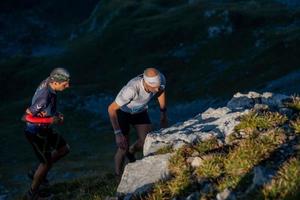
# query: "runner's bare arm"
x,y
112,112
163,109
120,138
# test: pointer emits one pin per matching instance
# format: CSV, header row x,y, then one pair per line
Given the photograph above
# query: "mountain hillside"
x,y
208,51
204,47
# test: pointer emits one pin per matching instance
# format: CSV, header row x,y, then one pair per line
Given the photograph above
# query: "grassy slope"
x,y
263,140
133,34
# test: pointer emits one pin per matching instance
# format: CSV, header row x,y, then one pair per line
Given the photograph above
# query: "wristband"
x,y
163,109
118,132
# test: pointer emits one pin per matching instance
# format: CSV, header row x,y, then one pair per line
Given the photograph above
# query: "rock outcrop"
x,y
139,176
218,122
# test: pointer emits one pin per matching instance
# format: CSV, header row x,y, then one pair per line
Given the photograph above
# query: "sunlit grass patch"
x,y
249,153
232,137
179,185
177,162
181,179
286,184
211,168
160,192
231,169
260,121
296,125
207,145
164,150
295,103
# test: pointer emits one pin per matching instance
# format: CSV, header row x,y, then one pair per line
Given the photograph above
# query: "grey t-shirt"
x,y
133,98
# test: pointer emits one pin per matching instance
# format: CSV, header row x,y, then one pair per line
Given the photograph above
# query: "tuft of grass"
x,y
164,150
160,192
295,125
295,103
181,181
286,184
207,145
178,186
211,168
232,137
249,153
177,162
260,121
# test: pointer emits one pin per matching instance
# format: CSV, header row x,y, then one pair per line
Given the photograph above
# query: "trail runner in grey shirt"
x,y
130,109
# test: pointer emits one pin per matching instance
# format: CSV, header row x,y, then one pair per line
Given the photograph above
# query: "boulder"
x,y
138,177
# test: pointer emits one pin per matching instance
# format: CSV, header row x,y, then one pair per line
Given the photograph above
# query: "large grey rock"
x,y
139,176
212,123
274,100
245,101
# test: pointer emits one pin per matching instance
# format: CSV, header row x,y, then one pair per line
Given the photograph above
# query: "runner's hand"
x,y
121,141
23,119
58,120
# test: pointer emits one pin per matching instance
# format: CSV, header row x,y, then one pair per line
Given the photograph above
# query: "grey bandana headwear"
x,y
59,75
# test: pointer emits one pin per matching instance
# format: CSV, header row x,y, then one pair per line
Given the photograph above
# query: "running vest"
x,y
133,98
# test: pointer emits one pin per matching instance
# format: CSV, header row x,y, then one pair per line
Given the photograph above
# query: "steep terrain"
x,y
208,50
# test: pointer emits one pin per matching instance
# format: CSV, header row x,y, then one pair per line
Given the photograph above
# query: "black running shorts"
x,y
44,142
126,119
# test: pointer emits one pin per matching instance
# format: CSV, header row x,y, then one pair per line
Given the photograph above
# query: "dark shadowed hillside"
x,y
208,51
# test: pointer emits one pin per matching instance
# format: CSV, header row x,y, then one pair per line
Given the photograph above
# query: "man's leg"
x,y
56,155
119,158
40,175
41,149
123,120
60,146
60,152
142,131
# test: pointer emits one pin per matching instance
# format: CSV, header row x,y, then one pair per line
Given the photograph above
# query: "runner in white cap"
x,y
130,108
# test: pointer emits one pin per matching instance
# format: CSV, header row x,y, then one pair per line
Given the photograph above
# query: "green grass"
x,y
164,150
86,188
249,153
296,125
93,188
207,145
260,121
178,161
181,180
286,184
178,186
212,167
131,35
232,168
295,104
